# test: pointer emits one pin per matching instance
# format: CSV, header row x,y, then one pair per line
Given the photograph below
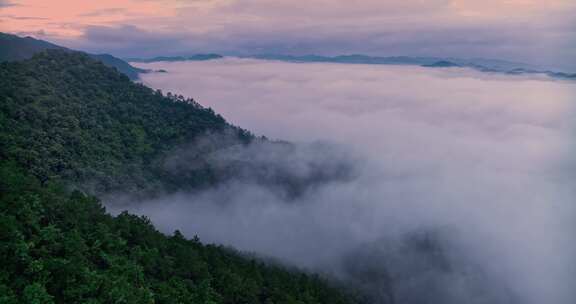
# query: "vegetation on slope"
x,y
66,118
61,247
65,115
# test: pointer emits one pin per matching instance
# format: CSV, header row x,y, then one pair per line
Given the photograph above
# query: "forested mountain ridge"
x,y
61,247
66,118
14,48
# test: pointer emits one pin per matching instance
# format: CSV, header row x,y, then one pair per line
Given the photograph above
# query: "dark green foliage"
x,y
14,48
66,118
61,247
64,115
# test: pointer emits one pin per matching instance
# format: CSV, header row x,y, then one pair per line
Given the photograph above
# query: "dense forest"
x,y
70,123
61,247
67,116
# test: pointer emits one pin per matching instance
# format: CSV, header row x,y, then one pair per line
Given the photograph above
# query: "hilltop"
x,y
14,48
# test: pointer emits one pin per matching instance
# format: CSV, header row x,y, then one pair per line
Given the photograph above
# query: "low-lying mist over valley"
x,y
430,185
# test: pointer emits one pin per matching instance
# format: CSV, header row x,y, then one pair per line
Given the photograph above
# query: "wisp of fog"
x,y
461,188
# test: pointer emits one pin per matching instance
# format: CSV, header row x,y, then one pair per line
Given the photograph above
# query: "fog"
x,y
458,184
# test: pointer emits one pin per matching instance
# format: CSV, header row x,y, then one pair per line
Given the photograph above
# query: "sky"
x,y
485,158
533,31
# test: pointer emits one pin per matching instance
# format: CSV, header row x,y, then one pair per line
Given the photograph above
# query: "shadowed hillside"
x,y
67,119
65,115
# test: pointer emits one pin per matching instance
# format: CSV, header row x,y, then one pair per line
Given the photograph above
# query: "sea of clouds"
x,y
461,190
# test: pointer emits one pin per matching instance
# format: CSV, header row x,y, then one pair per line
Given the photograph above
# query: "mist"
x,y
442,185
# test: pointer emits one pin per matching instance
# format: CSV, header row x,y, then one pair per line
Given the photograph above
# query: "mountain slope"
x,y
61,247
119,64
14,48
65,115
66,118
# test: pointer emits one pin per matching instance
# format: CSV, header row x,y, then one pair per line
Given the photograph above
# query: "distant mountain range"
x,y
13,48
197,57
480,64
401,60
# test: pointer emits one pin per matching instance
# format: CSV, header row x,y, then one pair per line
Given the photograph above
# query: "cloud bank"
x,y
462,189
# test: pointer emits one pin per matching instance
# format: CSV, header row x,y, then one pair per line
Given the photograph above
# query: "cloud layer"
x,y
481,162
